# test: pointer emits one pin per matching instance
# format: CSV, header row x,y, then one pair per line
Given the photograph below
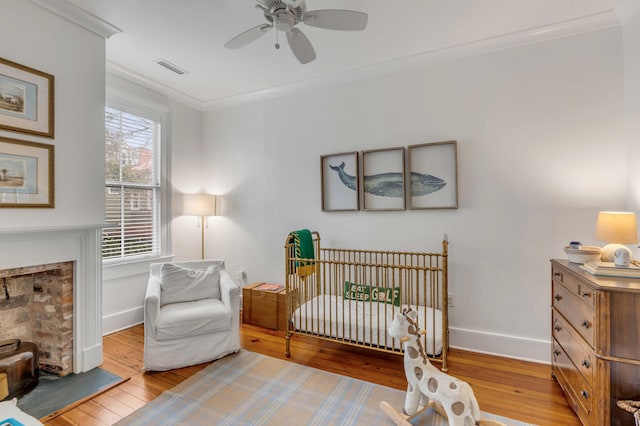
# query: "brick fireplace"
x,y
53,279
36,305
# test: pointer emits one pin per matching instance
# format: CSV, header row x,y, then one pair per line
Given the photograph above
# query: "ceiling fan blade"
x,y
248,36
300,46
336,19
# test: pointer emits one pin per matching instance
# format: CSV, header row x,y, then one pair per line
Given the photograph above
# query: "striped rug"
x,y
253,389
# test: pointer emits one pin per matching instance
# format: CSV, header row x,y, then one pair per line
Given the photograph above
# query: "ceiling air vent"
x,y
171,67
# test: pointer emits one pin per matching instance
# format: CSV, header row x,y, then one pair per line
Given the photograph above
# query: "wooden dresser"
x,y
596,342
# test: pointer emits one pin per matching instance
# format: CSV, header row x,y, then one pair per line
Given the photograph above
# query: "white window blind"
x,y
132,186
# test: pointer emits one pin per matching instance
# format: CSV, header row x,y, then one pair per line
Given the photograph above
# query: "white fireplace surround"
x,y
20,247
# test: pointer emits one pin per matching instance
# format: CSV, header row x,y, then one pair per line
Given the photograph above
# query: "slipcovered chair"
x,y
191,314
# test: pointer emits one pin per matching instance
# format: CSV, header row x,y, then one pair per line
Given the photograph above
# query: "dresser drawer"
x,y
578,391
582,357
580,315
575,286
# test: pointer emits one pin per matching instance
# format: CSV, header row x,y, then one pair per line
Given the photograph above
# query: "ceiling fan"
x,y
284,15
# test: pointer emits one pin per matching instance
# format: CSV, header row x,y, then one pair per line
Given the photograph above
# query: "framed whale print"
x,y
383,179
433,176
340,182
26,99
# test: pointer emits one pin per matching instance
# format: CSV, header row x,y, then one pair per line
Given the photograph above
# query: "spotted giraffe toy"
x,y
427,385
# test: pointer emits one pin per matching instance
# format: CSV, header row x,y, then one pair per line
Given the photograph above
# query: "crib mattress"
x,y
364,322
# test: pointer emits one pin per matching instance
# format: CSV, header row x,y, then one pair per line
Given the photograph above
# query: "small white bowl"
x,y
582,255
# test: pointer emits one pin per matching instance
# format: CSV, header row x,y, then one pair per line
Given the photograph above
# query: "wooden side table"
x,y
265,308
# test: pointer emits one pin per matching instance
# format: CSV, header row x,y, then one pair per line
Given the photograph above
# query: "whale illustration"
x,y
390,184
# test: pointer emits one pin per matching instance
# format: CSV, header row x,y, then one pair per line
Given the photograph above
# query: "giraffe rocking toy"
x,y
427,385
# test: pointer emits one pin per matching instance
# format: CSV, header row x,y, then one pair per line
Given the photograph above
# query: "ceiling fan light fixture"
x,y
285,15
284,21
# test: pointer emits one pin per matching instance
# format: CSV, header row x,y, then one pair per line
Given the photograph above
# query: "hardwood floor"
x,y
517,389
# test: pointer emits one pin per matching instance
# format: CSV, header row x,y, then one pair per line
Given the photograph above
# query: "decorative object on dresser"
x,y
609,269
617,229
582,254
596,342
264,304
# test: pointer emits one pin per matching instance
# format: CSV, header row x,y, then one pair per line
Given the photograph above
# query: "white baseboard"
x,y
91,358
516,347
121,320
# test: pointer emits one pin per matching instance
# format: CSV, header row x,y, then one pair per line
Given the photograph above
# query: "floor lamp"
x,y
202,205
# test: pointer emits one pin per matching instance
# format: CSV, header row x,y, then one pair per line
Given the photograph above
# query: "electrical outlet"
x,y
451,305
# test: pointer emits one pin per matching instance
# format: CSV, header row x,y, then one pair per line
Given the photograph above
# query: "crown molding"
x,y
567,28
601,20
78,16
132,76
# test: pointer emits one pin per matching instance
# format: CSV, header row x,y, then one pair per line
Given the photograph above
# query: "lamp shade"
x,y
199,204
617,227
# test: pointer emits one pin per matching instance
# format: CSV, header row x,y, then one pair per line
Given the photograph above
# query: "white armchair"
x,y
191,314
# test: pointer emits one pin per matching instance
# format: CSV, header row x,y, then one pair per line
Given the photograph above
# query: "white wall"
x,y
36,38
632,107
187,171
75,57
540,151
183,138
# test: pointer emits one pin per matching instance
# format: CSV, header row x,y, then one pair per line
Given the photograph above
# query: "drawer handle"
x,y
557,274
557,328
586,295
586,324
557,352
584,394
585,363
557,297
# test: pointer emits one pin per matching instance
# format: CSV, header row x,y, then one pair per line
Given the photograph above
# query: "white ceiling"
x,y
191,34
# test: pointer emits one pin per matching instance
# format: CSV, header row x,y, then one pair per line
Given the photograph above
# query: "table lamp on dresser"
x,y
617,229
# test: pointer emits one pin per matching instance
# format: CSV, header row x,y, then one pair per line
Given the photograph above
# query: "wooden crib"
x,y
351,296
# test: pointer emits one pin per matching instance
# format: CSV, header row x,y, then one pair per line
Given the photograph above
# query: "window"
x,y
132,186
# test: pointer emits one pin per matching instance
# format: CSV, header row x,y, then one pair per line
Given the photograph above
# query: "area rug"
x,y
55,395
252,389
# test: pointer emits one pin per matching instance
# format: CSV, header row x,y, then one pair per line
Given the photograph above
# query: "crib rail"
x,y
350,296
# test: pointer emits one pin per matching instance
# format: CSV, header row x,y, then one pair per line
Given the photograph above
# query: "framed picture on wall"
x,y
383,179
339,182
26,174
433,176
26,99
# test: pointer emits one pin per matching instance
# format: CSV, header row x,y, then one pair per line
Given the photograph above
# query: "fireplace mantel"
x,y
20,247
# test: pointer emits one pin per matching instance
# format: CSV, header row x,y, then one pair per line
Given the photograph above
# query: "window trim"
x,y
160,115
